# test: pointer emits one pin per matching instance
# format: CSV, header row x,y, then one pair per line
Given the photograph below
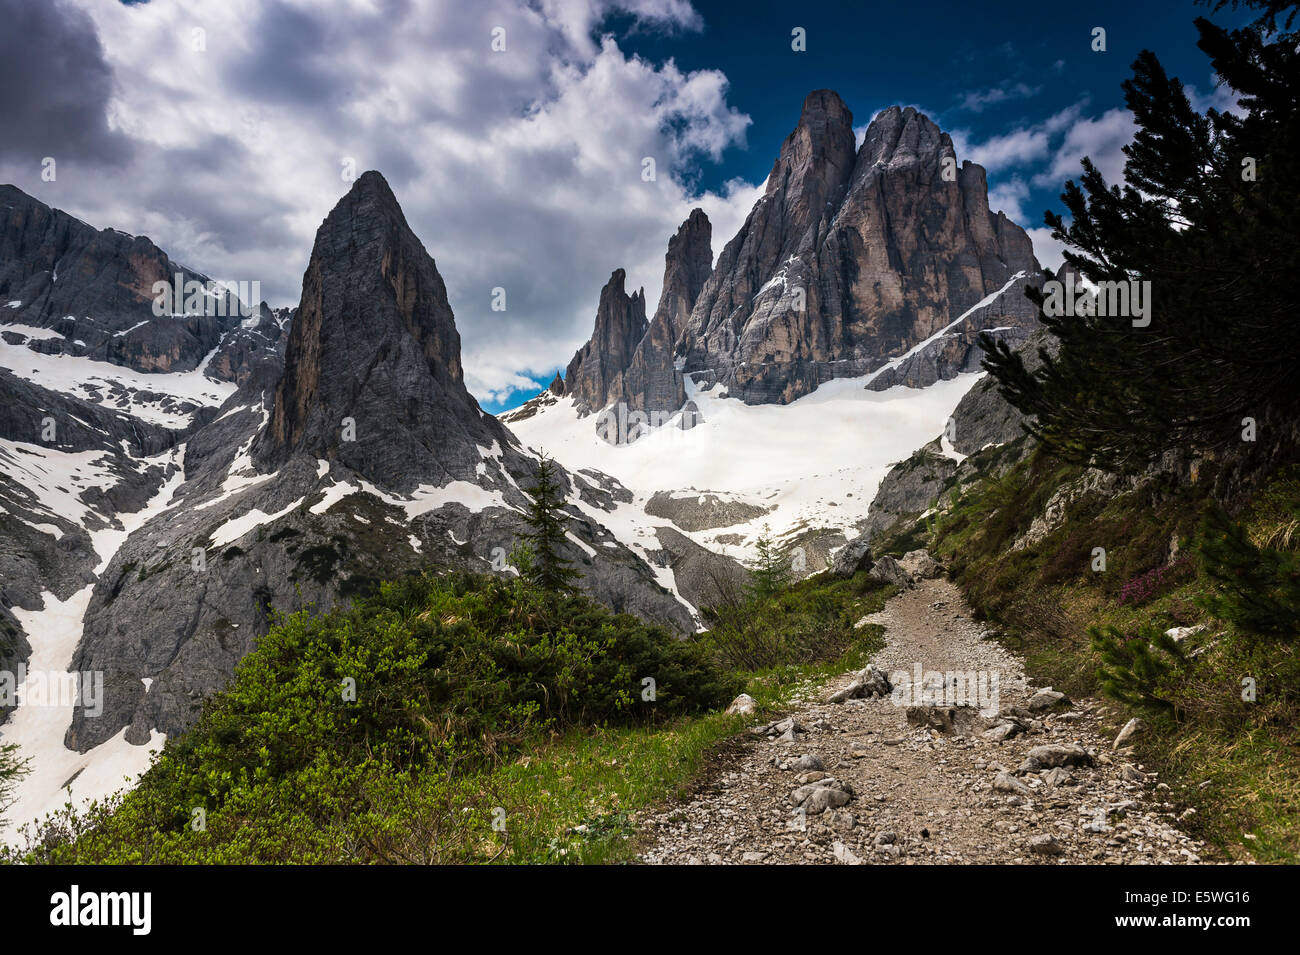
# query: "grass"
x,y
578,799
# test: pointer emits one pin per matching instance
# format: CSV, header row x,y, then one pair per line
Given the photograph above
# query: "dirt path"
x,y
932,790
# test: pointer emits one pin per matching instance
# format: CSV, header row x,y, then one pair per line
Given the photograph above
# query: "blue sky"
x,y
520,168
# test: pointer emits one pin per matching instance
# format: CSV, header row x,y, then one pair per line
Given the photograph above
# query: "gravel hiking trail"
x,y
1015,775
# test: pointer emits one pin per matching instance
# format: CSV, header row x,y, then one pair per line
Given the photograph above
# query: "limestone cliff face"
x,y
849,258
594,377
652,383
373,374
95,288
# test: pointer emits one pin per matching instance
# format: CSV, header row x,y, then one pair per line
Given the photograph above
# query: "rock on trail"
x,y
941,772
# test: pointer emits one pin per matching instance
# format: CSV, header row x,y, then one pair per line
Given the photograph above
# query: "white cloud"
x,y
520,169
1009,197
1047,250
1102,139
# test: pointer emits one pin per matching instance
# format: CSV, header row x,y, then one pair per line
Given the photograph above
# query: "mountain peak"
x,y
374,335
825,106
851,257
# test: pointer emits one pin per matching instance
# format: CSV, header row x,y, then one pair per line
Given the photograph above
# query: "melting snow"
x,y
53,632
97,382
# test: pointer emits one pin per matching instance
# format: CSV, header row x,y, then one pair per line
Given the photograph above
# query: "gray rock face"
x,y
983,417
849,259
93,291
702,511
1011,317
703,577
374,343
652,383
95,288
595,375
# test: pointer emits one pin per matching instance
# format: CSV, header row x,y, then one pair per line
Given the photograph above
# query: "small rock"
x,y
1132,774
1056,777
1046,846
841,820
946,719
1006,783
844,854
808,761
1001,732
1053,754
1045,699
889,571
743,704
866,683
1131,729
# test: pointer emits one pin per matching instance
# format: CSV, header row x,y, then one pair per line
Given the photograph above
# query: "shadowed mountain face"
x,y
652,382
595,375
95,288
372,375
629,361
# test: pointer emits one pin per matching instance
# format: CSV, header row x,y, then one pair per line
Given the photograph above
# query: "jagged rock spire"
x,y
372,369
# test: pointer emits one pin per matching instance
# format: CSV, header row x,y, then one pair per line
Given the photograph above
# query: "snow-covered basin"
x,y
817,460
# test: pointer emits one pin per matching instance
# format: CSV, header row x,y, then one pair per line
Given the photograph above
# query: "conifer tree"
x,y
768,574
12,769
1210,216
1133,668
1256,589
547,568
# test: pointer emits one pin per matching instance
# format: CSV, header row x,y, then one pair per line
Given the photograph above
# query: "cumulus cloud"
x,y
1009,197
1102,139
521,169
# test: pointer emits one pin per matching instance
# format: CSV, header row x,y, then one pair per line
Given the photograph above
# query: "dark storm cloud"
x,y
54,85
293,56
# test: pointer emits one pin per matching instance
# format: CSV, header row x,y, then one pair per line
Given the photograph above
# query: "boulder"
x,y
1054,754
920,565
889,571
743,705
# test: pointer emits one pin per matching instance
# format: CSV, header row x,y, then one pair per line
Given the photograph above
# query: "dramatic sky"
x,y
521,169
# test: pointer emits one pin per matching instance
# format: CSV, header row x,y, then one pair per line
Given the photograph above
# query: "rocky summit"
x,y
882,261
850,258
372,375
594,377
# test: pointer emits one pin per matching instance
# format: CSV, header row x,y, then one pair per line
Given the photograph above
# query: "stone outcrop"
x,y
372,375
594,377
652,384
850,258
